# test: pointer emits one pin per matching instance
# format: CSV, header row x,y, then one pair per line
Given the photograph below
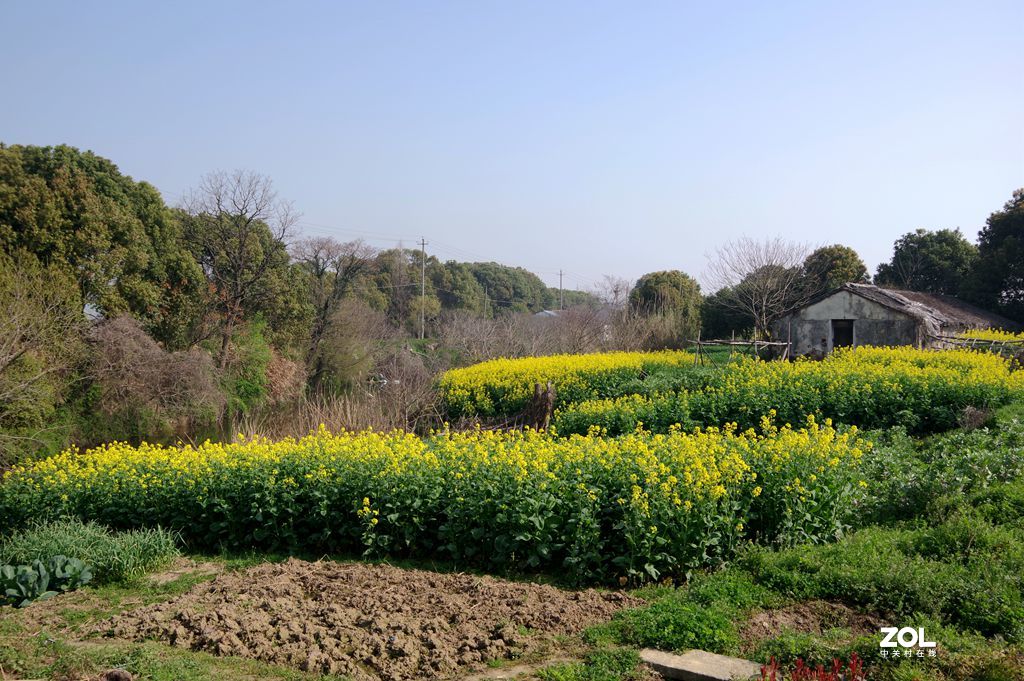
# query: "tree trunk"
x,y
225,342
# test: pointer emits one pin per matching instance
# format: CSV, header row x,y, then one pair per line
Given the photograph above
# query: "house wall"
x,y
874,324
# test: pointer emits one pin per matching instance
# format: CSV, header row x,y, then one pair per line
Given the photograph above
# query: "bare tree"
x,y
237,228
762,279
333,268
613,291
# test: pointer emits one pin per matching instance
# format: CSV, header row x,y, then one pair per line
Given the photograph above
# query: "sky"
x,y
596,138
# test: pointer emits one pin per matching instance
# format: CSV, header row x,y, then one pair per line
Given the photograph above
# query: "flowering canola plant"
x,y
592,508
923,390
504,386
997,335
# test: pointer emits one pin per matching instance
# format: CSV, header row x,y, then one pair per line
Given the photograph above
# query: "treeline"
x,y
758,281
130,319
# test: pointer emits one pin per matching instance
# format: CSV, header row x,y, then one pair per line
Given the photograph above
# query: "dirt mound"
x,y
365,621
811,617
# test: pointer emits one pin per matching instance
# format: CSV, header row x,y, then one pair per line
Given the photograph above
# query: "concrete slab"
x,y
697,665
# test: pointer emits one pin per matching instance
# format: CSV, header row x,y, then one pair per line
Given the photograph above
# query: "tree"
x,y
113,236
720,319
458,289
236,228
572,298
829,267
40,334
613,291
511,289
332,268
672,297
932,262
763,280
997,281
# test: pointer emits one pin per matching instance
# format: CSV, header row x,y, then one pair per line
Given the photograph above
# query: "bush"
x,y
113,556
675,623
140,391
608,664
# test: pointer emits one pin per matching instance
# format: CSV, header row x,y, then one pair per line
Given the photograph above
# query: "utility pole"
x,y
423,287
559,289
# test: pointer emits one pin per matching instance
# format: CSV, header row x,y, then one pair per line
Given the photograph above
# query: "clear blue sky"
x,y
594,137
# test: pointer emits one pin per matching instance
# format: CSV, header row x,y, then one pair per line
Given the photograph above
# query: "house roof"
x,y
936,311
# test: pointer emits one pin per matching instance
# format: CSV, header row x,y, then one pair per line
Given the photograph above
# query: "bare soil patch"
x,y
184,566
810,617
366,621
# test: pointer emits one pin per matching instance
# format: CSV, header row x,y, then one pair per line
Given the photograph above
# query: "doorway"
x,y
842,333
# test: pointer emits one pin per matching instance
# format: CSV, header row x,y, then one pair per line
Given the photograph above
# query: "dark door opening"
x,y
842,333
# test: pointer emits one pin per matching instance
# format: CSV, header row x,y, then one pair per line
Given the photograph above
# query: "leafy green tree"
x,y
929,261
572,298
721,319
829,267
458,289
997,281
115,237
673,296
511,289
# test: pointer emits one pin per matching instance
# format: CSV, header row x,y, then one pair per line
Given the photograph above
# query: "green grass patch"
x,y
113,556
604,664
701,615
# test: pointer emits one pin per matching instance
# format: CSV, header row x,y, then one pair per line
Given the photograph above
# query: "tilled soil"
x,y
368,622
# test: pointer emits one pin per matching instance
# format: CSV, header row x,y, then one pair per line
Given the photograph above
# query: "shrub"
x,y
142,391
910,478
675,623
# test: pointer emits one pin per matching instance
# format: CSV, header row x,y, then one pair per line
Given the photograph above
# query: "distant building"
x,y
546,314
862,314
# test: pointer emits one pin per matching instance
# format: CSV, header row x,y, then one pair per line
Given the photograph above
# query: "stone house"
x,y
863,314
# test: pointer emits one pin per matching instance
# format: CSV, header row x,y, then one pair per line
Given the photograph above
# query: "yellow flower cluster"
x,y
504,386
997,335
491,499
924,390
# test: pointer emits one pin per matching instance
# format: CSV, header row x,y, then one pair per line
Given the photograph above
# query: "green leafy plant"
x,y
23,584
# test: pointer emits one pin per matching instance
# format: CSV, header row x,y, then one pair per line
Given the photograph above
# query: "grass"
x,y
602,664
113,556
940,545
